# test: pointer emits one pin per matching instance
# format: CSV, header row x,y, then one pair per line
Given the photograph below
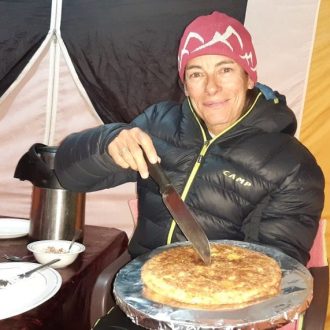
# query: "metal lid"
x,y
37,166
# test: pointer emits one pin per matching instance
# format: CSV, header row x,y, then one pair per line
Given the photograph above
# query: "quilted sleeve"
x,y
290,220
83,164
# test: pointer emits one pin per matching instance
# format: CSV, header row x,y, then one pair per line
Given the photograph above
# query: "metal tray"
x,y
295,297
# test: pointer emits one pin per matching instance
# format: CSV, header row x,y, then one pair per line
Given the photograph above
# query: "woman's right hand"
x,y
127,150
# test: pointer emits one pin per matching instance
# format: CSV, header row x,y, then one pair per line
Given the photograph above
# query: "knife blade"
x,y
180,212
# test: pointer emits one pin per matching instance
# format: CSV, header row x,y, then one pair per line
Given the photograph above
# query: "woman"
x,y
228,148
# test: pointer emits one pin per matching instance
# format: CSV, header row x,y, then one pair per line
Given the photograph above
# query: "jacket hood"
x,y
271,114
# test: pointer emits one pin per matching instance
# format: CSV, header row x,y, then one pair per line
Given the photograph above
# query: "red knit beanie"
x,y
218,34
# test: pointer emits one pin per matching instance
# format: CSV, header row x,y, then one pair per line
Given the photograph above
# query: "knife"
x,y
180,212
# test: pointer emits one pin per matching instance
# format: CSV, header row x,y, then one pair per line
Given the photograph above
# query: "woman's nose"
x,y
212,85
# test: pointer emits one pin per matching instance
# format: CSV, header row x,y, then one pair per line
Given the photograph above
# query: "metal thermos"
x,y
56,213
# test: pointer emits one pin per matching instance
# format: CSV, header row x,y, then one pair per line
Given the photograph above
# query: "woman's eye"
x,y
195,75
227,69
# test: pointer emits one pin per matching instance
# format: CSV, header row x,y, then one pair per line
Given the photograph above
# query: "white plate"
x,y
13,227
27,293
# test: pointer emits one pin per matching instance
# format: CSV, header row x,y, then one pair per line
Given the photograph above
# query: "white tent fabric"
x,y
283,33
47,102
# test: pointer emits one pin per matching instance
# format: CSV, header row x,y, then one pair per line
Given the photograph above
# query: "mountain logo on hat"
x,y
218,34
217,38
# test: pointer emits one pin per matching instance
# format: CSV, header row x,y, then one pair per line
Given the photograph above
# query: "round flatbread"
x,y
236,277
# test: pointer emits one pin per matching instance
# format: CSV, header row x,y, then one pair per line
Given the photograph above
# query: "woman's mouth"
x,y
215,104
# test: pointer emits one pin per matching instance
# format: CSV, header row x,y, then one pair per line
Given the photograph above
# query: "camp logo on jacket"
x,y
236,178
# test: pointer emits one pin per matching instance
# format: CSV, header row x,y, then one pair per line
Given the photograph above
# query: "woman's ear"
x,y
250,83
182,86
185,89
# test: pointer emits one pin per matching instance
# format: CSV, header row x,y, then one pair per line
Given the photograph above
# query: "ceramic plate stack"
x,y
13,227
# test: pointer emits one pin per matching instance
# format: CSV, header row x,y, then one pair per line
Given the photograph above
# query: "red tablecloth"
x,y
69,308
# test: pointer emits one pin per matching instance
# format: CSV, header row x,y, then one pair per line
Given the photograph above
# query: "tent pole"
x,y
53,82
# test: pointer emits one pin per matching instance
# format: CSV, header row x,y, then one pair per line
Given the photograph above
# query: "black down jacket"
x,y
252,182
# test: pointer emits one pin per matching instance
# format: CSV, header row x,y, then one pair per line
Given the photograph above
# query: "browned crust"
x,y
237,277
152,295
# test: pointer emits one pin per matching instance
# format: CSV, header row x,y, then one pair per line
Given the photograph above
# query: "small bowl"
x,y
47,250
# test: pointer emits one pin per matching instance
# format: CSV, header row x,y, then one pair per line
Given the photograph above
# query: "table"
x,y
69,309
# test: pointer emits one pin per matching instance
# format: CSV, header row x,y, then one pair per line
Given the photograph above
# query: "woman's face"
x,y
217,87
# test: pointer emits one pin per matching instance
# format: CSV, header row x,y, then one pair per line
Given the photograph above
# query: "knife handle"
x,y
158,174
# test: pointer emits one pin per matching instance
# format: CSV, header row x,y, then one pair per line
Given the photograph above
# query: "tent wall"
x,y
315,129
25,121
